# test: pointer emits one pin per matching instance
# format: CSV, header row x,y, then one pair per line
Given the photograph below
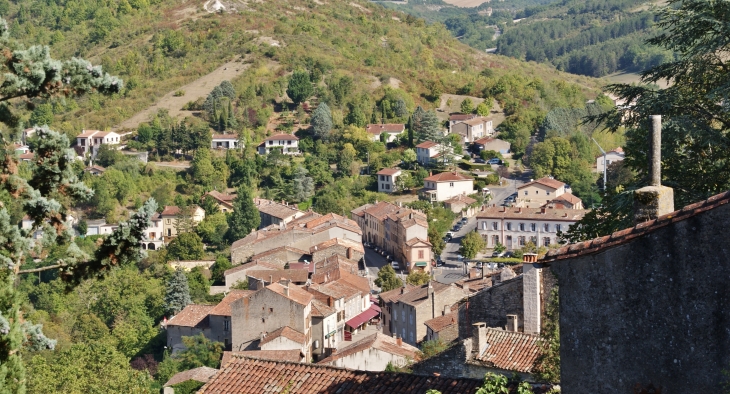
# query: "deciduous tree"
x,y
186,246
471,244
300,87
387,279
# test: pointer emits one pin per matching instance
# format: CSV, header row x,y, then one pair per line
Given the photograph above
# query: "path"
x,y
194,90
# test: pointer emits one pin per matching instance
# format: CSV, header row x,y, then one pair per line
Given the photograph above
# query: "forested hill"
x,y
595,37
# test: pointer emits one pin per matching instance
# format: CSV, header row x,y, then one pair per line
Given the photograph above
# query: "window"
x,y
451,184
495,240
387,186
420,254
525,192
521,241
411,336
271,142
226,325
548,193
537,192
410,317
484,225
288,142
509,226
533,226
382,178
83,142
558,227
495,226
403,315
533,240
169,232
271,310
403,332
546,227
546,241
395,316
522,227
168,221
263,320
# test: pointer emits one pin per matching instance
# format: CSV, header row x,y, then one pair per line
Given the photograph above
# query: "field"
x,y
627,77
465,3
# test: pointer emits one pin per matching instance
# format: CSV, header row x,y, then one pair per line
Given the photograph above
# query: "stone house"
x,y
515,227
611,157
543,191
288,144
461,204
274,213
324,328
200,374
473,129
225,141
373,353
406,314
387,178
495,144
394,130
95,170
239,273
191,321
458,118
174,218
219,318
89,141
427,152
267,310
443,186
352,250
444,327
223,201
260,278
285,338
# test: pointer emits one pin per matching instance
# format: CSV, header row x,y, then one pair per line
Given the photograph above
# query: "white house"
x,y
287,143
473,129
387,178
394,130
153,235
611,156
99,227
224,141
445,185
89,141
426,152
544,191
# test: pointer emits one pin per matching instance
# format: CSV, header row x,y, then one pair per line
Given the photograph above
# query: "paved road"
x,y
374,262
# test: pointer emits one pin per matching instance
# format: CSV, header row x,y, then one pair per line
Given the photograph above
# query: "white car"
x,y
395,265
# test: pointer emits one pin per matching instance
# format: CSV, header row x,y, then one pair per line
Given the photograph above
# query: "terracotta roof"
x,y
395,294
250,375
225,199
286,332
170,211
378,341
388,171
385,128
381,210
96,168
201,374
461,117
441,322
283,137
331,268
420,293
476,121
360,211
275,209
477,284
225,137
448,177
549,182
567,215
484,140
460,198
292,355
336,289
192,316
569,198
414,241
337,241
320,309
296,276
512,351
224,307
252,265
358,282
426,144
88,133
627,235
296,294
26,156
262,255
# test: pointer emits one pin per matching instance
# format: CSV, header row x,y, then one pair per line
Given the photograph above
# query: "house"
x,y
89,141
225,141
223,201
443,186
393,130
152,238
444,328
612,156
21,149
461,204
427,152
352,250
405,310
288,144
515,227
219,318
191,321
285,338
324,327
458,118
542,191
99,227
473,129
175,219
495,144
261,278
293,355
274,213
239,273
250,375
387,178
565,201
95,170
200,374
26,157
26,223
373,353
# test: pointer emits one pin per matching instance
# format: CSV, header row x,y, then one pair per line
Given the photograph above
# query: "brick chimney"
x,y
399,341
654,200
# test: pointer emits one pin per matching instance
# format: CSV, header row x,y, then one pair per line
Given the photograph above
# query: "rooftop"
x,y
395,294
388,171
385,128
170,211
337,241
426,144
225,137
320,309
296,276
89,133
448,177
378,341
192,316
275,209
224,307
569,197
296,294
420,293
475,121
460,199
461,117
547,181
509,350
286,332
278,137
568,215
252,265
292,355
439,323
201,374
249,375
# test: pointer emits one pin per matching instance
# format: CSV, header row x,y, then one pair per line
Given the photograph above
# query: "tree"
x,y
300,87
200,352
547,367
201,168
245,217
387,279
198,284
483,109
409,156
107,156
302,185
186,246
177,296
217,271
499,248
42,115
418,277
471,244
467,106
355,116
82,227
321,121
436,240
400,109
212,229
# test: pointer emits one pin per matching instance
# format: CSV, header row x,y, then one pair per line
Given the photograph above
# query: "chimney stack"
x,y
532,295
512,323
529,258
479,332
399,341
654,200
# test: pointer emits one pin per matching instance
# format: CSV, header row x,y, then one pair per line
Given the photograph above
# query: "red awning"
x,y
358,320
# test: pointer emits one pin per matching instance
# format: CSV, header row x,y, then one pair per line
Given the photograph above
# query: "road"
x,y
374,262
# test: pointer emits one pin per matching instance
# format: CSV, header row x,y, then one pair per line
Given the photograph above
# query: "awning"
x,y
421,264
358,320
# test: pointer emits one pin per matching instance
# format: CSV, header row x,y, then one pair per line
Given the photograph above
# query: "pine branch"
x,y
41,269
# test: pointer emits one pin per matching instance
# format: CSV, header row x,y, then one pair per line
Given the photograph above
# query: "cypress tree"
x,y
245,216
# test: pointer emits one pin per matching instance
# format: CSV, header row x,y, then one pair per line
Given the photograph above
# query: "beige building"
x,y
394,130
174,219
515,227
373,353
219,318
387,178
495,144
473,129
223,201
446,185
458,118
461,204
542,191
274,213
89,141
427,153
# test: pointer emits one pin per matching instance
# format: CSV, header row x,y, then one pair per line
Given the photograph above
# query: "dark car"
x,y
464,220
439,262
479,160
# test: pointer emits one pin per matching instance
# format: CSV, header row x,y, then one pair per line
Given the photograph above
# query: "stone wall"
x,y
492,305
653,310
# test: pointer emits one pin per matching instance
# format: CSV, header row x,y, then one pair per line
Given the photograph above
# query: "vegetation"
x,y
548,364
387,279
432,348
471,244
177,296
418,278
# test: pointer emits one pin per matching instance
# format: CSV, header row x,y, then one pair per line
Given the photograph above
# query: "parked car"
x,y
382,252
388,258
376,249
494,161
464,220
509,254
479,160
498,254
439,262
395,265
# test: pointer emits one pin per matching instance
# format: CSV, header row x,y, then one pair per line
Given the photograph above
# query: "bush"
x,y
179,93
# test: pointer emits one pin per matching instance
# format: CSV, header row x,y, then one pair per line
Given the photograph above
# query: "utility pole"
x,y
605,166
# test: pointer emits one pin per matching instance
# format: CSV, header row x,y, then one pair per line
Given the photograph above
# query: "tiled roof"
x,y
627,235
461,117
292,355
395,294
360,211
462,199
170,211
260,265
549,182
378,341
381,210
420,294
337,241
296,276
439,323
512,351
95,168
484,140
475,121
426,144
201,374
263,255
275,209
336,289
476,284
414,241
282,137
320,309
331,268
568,215
224,307
26,156
225,137
192,316
249,375
358,282
385,128
388,171
296,294
225,199
448,177
286,332
87,133
569,197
